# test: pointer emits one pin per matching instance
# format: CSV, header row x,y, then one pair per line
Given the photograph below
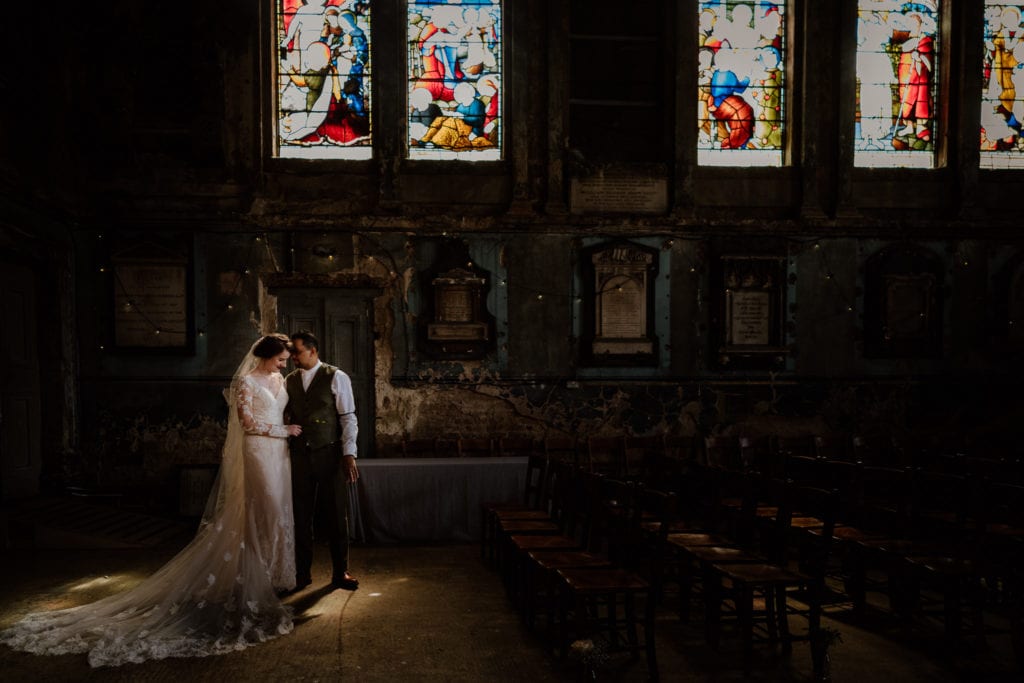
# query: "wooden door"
x,y
19,385
342,319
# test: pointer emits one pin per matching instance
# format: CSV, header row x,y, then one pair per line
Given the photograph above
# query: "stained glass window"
x,y
1002,102
897,75
323,79
740,82
454,79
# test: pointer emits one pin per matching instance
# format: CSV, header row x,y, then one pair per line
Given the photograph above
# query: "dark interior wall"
x,y
166,142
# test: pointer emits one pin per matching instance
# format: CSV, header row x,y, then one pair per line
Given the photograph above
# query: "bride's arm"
x,y
248,420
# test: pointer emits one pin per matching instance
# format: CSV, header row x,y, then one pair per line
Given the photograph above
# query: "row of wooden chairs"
x,y
960,536
573,550
746,538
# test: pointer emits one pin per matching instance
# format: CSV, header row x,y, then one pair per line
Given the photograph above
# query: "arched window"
x,y
323,79
1002,102
897,78
454,79
741,57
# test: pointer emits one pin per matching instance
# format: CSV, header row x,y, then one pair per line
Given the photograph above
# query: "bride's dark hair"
x,y
271,345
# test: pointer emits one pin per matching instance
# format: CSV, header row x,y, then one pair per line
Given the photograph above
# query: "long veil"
x,y
228,486
214,596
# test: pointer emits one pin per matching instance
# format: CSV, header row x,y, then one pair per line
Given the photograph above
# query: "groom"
x,y
323,457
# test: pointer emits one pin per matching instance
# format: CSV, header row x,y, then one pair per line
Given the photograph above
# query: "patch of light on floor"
x,y
116,580
375,595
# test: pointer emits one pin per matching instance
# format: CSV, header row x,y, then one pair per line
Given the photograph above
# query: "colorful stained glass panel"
x,y
897,77
1002,102
454,79
740,83
323,79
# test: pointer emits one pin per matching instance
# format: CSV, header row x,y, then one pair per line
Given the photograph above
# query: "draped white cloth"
x,y
219,594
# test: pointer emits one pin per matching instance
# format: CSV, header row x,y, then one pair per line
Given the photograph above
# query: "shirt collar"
x,y
312,369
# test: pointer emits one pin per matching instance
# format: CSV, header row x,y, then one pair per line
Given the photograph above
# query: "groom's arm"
x,y
345,404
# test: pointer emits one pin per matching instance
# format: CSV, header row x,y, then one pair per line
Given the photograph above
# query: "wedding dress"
x,y
219,594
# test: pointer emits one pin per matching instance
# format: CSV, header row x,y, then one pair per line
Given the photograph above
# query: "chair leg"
x,y
650,607
712,608
744,611
782,615
629,606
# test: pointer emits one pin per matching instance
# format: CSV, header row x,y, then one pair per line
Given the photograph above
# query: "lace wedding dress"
x,y
219,594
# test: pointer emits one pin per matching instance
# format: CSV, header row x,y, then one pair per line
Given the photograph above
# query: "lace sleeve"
x,y
248,419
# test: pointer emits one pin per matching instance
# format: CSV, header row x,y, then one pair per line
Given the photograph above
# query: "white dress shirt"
x,y
344,402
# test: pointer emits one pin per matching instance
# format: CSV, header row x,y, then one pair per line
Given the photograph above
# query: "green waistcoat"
x,y
314,409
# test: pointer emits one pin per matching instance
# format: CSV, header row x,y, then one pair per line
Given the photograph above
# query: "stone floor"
x,y
437,613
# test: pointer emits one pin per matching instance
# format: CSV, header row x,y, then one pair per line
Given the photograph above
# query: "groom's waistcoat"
x,y
315,407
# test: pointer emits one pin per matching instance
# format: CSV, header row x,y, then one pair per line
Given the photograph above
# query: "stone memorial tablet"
x,y
150,304
619,194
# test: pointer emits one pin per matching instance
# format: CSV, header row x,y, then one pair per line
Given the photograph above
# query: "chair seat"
x,y
566,559
521,514
595,580
517,526
688,540
760,573
541,542
715,554
849,533
806,523
940,564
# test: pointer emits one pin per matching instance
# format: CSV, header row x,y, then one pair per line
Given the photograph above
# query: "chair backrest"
x,y
561,448
475,448
644,457
832,447
681,447
815,546
606,455
419,448
510,447
757,456
785,446
723,452
885,494
536,480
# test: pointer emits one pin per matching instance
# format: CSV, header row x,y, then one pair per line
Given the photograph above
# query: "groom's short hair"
x,y
307,338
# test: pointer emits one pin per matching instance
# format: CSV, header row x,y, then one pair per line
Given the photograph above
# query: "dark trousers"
x,y
319,491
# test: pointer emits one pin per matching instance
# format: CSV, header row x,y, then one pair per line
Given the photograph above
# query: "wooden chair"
x,y
588,591
832,447
510,447
741,581
562,448
532,506
645,459
419,448
606,455
723,452
475,448
756,455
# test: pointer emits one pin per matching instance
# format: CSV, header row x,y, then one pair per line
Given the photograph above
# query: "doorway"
x,y
342,319
20,414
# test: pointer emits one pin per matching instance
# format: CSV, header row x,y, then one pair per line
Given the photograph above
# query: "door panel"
x,y
342,320
19,385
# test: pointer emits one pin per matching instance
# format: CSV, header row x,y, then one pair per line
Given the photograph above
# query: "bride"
x,y
220,593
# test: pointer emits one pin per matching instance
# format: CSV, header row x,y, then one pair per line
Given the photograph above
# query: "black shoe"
x,y
345,582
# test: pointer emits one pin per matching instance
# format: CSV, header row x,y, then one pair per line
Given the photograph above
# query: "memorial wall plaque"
x,y
907,306
621,295
749,319
151,303
751,308
458,314
619,194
